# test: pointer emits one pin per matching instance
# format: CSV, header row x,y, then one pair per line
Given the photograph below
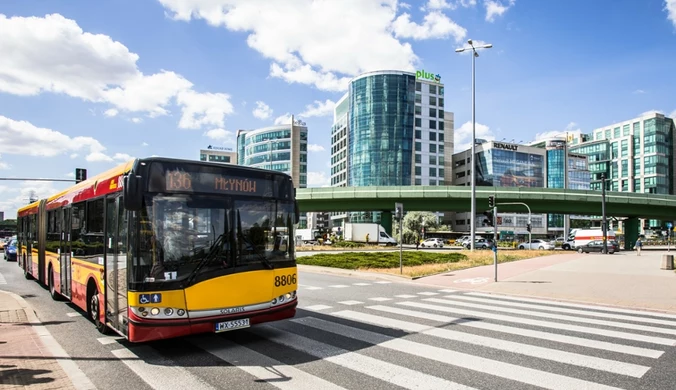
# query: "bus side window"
x,y
76,226
93,236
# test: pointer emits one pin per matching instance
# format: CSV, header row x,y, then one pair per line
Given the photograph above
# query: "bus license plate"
x,y
232,325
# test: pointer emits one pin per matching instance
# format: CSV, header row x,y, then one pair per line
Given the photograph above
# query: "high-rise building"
x,y
279,148
636,155
540,164
218,154
2,216
391,129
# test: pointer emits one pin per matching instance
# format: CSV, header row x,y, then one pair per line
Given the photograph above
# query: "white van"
x,y
584,236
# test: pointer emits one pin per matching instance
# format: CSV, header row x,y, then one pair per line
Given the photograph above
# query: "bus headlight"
x,y
155,311
159,313
168,311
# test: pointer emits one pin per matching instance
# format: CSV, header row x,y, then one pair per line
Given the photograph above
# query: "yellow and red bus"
x,y
159,248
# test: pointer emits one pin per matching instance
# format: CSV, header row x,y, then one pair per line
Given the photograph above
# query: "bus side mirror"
x,y
296,212
132,196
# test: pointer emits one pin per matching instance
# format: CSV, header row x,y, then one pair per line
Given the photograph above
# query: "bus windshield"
x,y
184,235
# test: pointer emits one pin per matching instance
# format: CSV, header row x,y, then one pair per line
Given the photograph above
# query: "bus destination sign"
x,y
181,181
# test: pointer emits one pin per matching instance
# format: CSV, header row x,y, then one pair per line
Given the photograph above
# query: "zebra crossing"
x,y
441,339
2,279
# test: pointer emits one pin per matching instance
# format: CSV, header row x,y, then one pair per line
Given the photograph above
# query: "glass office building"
x,y
390,129
636,155
218,154
279,148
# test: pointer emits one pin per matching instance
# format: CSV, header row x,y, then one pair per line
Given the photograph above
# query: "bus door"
x,y
64,258
116,265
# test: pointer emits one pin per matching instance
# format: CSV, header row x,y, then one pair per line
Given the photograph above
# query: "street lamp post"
x,y
472,159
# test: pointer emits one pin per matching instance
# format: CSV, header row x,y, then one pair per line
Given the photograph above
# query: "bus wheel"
x,y
50,281
94,309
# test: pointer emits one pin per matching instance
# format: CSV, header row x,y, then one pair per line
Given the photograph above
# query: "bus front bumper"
x,y
144,330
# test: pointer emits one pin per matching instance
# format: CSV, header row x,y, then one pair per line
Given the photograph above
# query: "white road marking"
x,y
2,279
316,307
406,296
448,290
383,282
380,299
544,324
580,341
429,293
487,366
73,314
163,373
576,359
262,367
339,286
109,340
350,303
388,372
314,288
453,300
361,284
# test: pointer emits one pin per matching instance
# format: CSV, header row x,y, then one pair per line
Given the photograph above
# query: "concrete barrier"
x,y
667,262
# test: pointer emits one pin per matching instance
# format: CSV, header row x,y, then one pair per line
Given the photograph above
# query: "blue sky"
x,y
90,84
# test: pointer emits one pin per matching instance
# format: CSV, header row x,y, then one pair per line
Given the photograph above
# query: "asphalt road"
x,y
377,334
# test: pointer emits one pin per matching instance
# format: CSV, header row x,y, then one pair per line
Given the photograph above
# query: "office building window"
x,y
203,157
637,185
624,148
418,110
441,173
433,135
418,171
441,135
599,135
418,147
418,182
441,114
616,132
418,134
637,129
625,185
441,124
625,130
441,103
433,172
608,134
441,160
418,122
418,158
625,168
637,166
433,182
418,98
433,89
433,148
433,112
433,160
433,100
433,124
418,86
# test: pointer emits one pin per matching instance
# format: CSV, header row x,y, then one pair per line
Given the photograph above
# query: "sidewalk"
x,y
622,279
25,358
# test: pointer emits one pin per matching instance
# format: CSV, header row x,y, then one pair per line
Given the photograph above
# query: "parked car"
x,y
597,246
433,243
480,243
538,244
10,251
462,240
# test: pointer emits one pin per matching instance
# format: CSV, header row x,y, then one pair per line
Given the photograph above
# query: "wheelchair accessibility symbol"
x,y
144,298
150,298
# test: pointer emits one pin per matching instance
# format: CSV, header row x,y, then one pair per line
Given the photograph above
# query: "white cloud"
x,y
550,134
74,155
4,165
262,110
144,144
137,120
222,135
111,112
122,157
305,43
315,148
640,91
462,139
21,137
283,119
200,109
673,114
436,25
439,4
497,8
26,189
317,179
572,126
670,7
53,54
318,109
70,174
467,3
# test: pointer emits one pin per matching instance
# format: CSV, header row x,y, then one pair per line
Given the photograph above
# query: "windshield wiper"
x,y
215,251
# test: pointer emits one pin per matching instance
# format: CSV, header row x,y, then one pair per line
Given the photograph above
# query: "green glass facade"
x,y
380,149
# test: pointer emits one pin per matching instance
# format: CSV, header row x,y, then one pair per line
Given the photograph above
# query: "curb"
x,y
78,378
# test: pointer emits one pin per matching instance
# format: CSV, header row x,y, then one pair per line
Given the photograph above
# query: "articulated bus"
x,y
160,248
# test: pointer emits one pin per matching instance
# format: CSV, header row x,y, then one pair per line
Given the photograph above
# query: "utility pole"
x,y
604,222
399,213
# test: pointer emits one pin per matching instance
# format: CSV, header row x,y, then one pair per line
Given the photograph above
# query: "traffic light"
x,y
489,218
528,227
399,210
491,201
80,175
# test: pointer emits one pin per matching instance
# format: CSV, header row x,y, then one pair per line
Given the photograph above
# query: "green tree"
x,y
413,224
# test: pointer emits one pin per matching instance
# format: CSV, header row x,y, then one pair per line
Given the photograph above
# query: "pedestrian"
x,y
638,246
367,238
417,243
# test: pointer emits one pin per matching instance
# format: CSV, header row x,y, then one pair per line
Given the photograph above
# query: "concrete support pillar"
x,y
631,230
386,221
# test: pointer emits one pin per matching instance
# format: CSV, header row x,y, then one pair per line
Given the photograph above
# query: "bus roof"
x,y
110,182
